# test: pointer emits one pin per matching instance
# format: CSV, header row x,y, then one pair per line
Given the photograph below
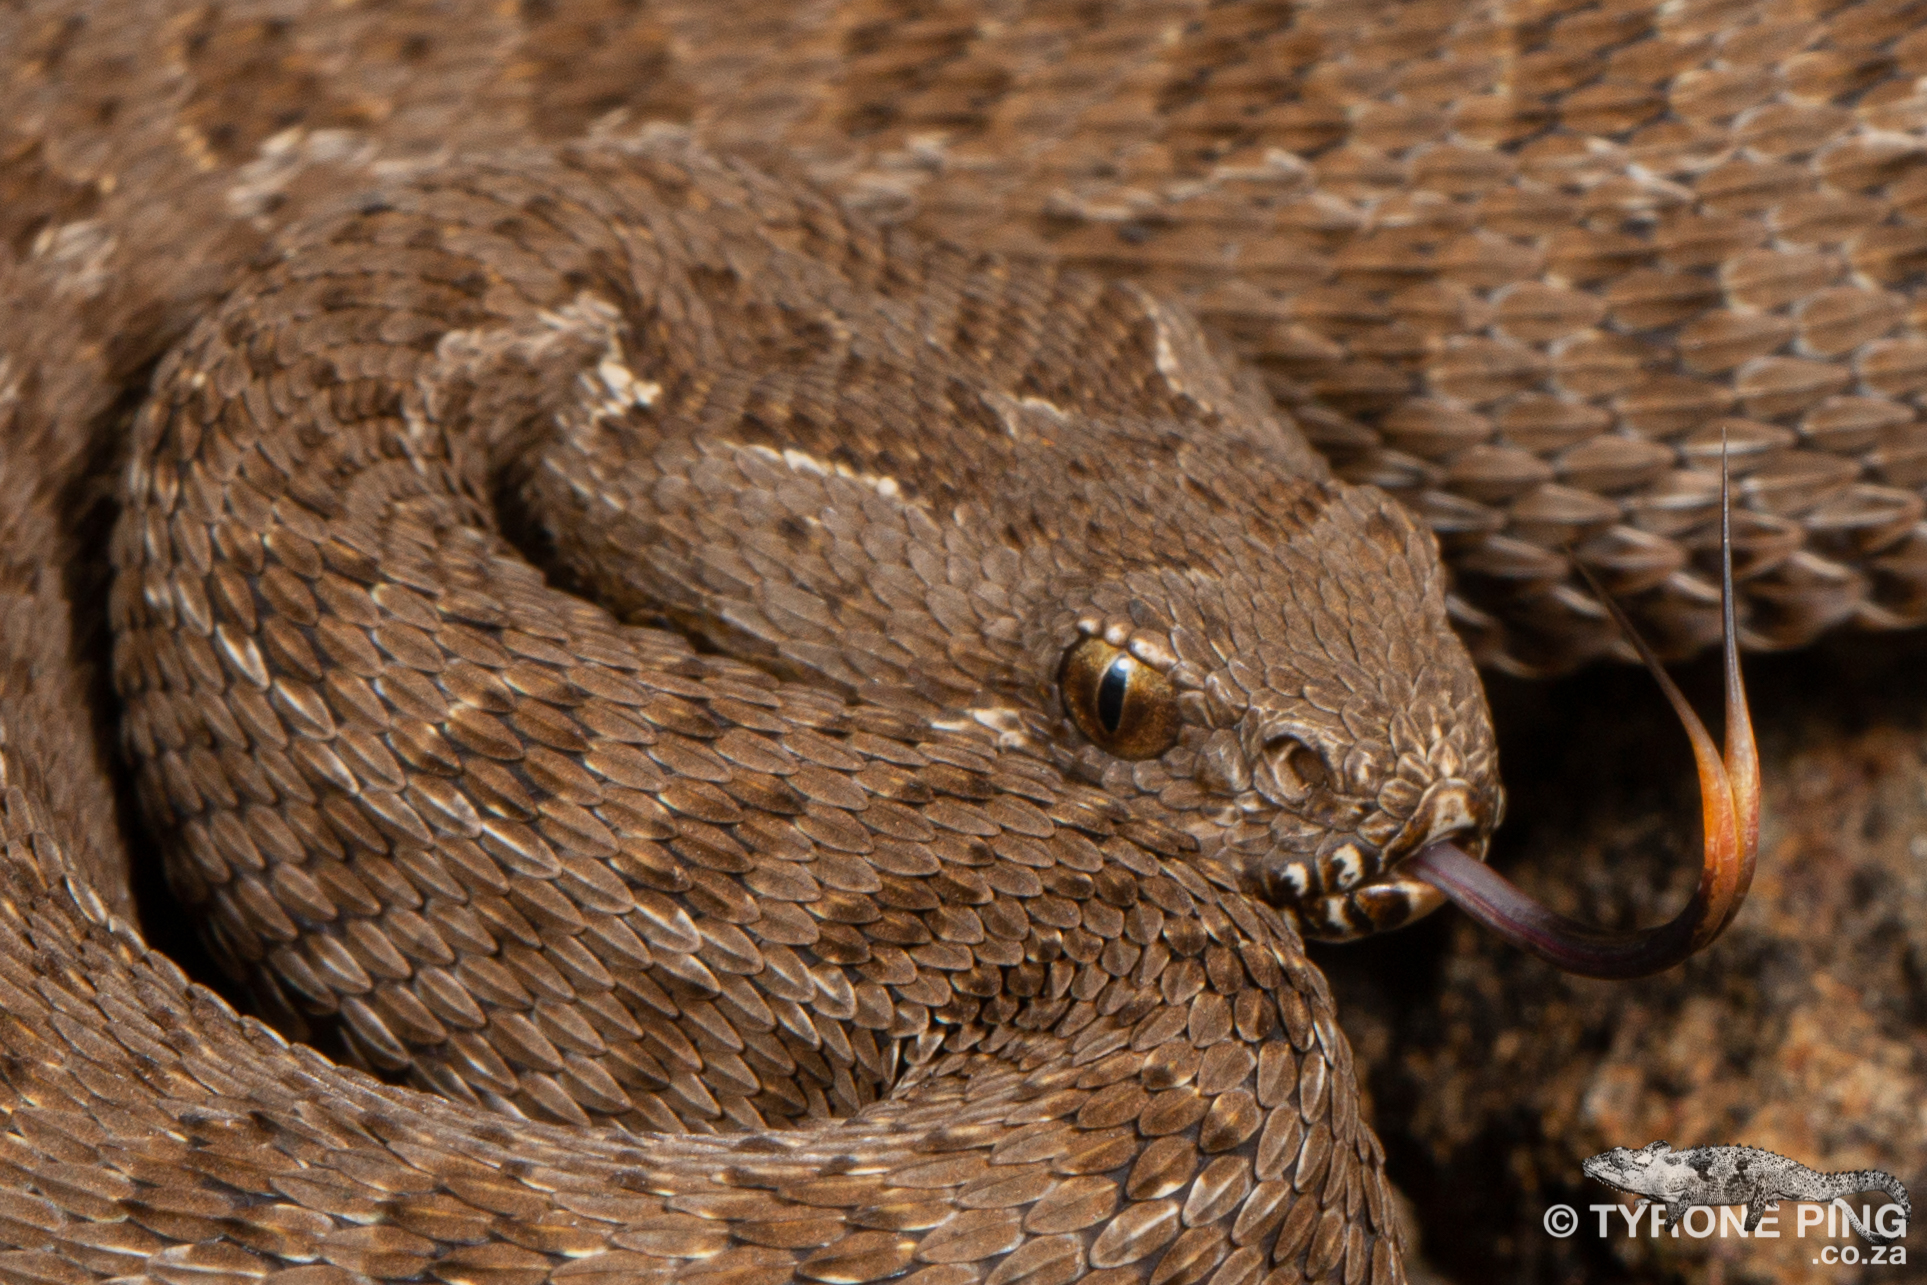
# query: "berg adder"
x,y
1053,640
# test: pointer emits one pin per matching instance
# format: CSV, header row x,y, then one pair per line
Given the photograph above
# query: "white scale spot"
x,y
81,251
280,160
804,462
1294,877
624,388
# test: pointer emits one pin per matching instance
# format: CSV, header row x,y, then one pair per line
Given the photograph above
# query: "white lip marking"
x,y
1295,876
1347,867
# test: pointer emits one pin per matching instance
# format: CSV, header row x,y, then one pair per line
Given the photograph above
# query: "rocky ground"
x,y
1803,1030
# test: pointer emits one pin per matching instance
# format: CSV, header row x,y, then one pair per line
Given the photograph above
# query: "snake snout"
x,y
1351,887
1449,809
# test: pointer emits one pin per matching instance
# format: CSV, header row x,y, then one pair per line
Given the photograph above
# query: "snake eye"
x,y
1125,707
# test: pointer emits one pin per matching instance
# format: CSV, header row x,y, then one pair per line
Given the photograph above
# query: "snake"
x,y
796,609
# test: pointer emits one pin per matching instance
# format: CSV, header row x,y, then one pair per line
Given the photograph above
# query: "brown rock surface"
x,y
1803,1031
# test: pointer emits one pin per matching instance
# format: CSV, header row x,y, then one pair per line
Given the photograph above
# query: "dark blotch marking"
x,y
795,532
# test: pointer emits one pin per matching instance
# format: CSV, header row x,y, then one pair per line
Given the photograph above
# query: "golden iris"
x,y
1124,706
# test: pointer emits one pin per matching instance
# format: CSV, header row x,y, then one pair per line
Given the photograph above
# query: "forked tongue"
x,y
1729,805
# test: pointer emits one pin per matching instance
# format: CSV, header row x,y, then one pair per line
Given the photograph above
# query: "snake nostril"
x,y
1297,768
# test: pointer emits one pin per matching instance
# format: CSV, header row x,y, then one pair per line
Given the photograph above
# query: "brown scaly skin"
x,y
1117,486
964,1015
149,151
577,873
1522,267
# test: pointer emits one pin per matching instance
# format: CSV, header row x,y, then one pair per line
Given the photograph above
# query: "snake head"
x,y
1303,709
1123,562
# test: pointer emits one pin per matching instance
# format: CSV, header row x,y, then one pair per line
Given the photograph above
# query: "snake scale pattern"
x,y
898,870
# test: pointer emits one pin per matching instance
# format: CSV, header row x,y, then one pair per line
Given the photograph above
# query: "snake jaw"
x,y
1349,886
1393,897
1393,901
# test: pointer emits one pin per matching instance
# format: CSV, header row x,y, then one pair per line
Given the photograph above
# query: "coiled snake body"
x,y
1039,655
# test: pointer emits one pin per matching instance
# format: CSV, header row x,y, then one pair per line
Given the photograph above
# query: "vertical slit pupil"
x,y
1110,694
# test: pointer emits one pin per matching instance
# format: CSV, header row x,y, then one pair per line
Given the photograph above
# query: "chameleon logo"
x,y
1746,1176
